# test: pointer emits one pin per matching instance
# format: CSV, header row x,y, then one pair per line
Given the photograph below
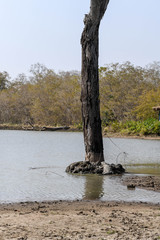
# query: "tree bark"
x,y
90,82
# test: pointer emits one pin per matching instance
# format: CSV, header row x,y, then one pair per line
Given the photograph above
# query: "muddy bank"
x,y
119,135
79,220
33,127
145,182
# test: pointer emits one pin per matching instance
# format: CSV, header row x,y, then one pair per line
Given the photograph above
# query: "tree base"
x,y
95,158
86,167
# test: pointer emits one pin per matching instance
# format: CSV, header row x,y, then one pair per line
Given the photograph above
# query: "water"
x,y
33,167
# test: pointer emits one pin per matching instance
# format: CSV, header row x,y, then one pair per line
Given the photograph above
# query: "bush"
x,y
147,127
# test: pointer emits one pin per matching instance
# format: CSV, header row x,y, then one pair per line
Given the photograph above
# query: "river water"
x,y
33,167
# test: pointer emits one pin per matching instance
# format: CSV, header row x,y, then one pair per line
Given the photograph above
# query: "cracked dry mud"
x,y
79,220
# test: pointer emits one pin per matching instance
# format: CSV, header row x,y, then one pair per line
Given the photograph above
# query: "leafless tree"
x,y
90,82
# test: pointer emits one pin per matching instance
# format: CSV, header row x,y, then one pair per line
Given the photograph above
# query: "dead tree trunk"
x,y
90,82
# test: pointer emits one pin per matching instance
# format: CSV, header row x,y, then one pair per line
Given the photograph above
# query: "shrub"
x,y
147,127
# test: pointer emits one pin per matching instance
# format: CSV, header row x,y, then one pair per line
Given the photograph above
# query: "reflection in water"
x,y
93,187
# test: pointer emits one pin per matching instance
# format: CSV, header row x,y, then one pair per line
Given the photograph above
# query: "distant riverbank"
x,y
32,127
75,129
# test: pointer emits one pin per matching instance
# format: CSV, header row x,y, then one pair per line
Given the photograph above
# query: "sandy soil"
x,y
79,220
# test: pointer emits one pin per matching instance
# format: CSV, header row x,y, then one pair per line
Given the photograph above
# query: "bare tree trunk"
x,y
90,82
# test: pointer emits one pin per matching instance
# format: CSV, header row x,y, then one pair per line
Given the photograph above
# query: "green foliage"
x,y
78,126
110,232
120,87
146,102
127,95
4,80
44,98
147,127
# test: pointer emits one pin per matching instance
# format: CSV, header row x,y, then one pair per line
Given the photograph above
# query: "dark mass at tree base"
x,y
102,168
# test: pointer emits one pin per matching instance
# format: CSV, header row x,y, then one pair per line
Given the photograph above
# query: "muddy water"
x,y
33,167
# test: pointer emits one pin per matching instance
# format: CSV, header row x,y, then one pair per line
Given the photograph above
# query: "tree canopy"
x,y
127,92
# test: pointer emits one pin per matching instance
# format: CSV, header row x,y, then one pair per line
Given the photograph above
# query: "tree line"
x,y
127,92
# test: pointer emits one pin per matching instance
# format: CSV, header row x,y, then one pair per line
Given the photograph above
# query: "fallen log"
x,y
54,128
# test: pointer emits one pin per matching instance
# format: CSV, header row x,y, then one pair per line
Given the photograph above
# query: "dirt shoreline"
x,y
118,135
79,220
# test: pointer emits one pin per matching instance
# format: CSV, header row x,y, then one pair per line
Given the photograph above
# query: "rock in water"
x,y
106,168
103,168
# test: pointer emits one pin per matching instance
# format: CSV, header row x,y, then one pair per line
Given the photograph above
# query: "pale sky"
x,y
48,32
